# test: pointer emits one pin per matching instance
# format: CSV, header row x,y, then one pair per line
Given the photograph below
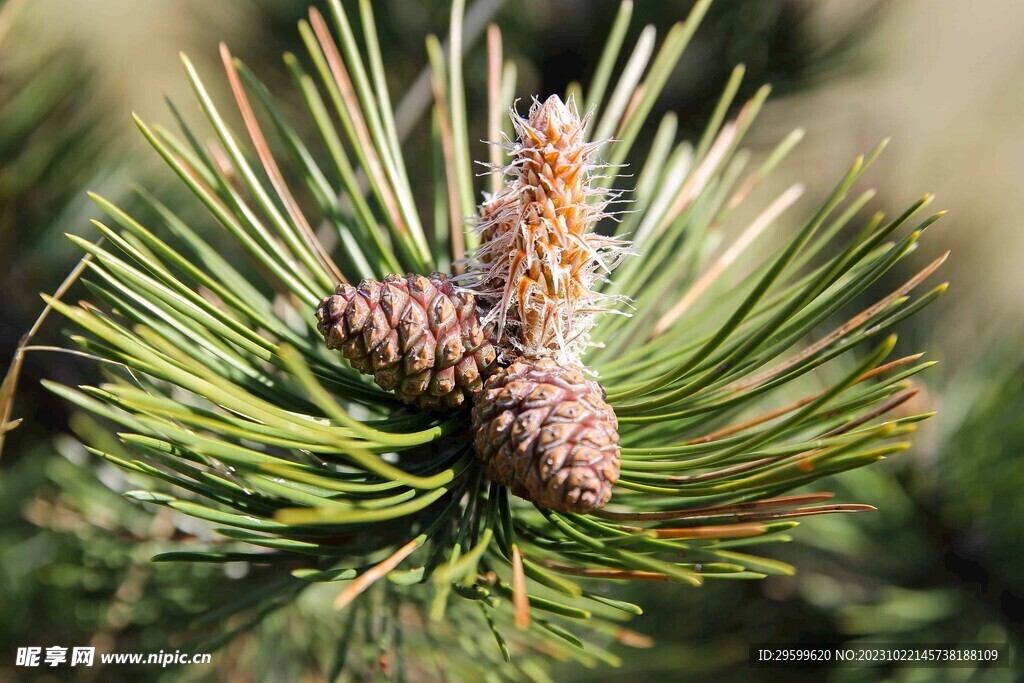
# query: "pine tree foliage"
x,y
228,407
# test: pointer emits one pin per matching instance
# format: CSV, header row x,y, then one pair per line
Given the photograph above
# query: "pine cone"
x,y
547,432
416,335
539,260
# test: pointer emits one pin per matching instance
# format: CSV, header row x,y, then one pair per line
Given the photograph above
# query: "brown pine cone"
x,y
416,335
548,433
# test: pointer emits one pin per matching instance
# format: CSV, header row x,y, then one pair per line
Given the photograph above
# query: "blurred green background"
x,y
941,561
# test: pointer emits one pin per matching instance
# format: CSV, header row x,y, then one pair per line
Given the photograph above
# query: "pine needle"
x,y
374,574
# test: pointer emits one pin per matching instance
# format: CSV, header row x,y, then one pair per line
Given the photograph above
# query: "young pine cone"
x,y
416,335
547,432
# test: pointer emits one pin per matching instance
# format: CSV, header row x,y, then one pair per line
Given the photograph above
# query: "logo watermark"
x,y
58,655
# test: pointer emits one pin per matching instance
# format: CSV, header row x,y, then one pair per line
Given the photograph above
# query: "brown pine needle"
x,y
894,402
10,383
700,177
374,574
766,504
807,511
259,141
444,124
708,278
520,598
631,638
208,193
227,169
772,414
749,519
634,100
351,101
494,109
746,530
718,474
752,181
610,574
841,331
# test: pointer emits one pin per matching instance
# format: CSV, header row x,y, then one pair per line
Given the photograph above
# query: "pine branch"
x,y
228,408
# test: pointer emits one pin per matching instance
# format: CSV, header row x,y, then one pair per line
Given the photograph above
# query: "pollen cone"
x,y
539,260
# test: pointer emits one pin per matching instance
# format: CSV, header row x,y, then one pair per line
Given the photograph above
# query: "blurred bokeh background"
x,y
941,561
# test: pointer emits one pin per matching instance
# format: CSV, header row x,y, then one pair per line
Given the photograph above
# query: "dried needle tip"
x,y
539,261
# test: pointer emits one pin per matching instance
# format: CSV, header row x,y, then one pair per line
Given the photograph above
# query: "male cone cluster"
x,y
539,260
539,425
